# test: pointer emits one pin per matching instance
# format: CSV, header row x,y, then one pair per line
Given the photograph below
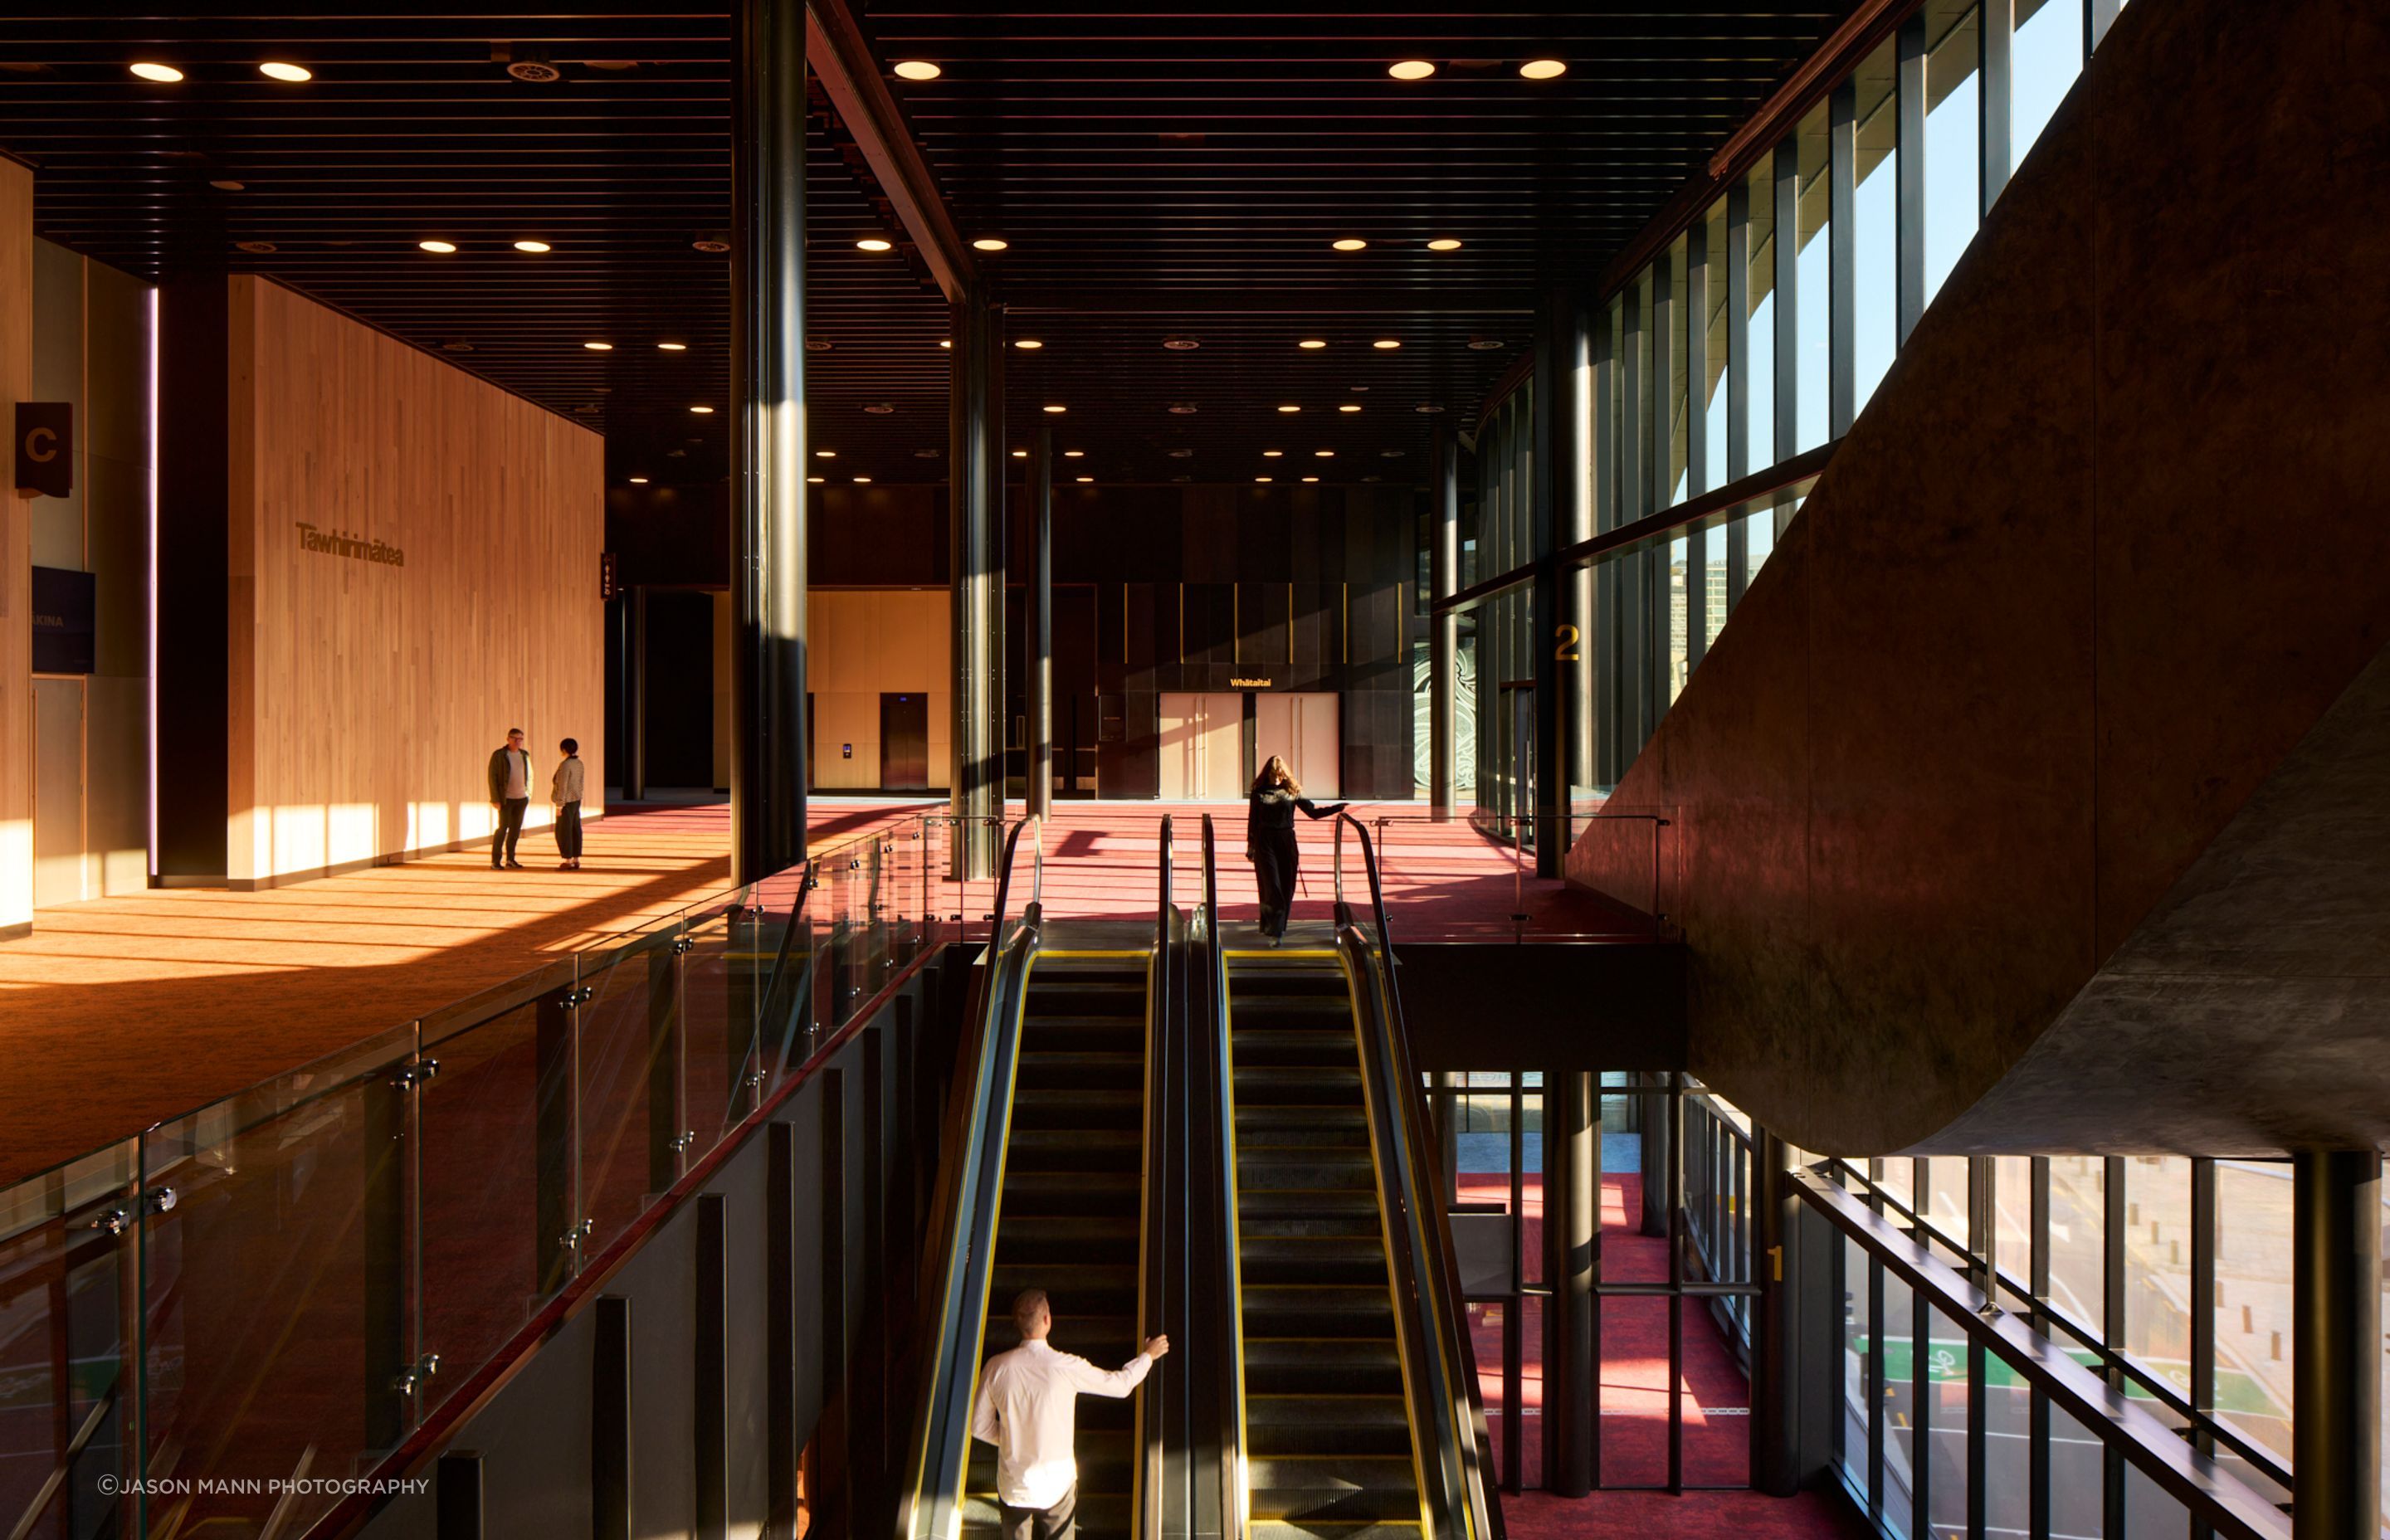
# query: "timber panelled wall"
x,y
367,696
16,558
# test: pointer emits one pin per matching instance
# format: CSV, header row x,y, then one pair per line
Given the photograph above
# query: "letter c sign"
x,y
46,448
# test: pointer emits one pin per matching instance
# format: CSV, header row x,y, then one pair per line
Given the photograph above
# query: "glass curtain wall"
x,y
1734,351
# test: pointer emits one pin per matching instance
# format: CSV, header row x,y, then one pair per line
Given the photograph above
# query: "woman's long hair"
x,y
1275,774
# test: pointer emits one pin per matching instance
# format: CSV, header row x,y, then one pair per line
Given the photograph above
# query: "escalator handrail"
x,y
1448,1407
1223,1068
1158,1257
969,1193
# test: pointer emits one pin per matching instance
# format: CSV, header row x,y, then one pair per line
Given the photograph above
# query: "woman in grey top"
x,y
564,792
1269,841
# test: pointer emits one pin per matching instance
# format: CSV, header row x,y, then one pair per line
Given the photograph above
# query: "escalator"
x,y
1356,1414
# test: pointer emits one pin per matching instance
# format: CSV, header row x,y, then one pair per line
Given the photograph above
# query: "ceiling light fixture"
x,y
1484,344
599,347
1289,408
165,74
259,248
1443,243
1350,406
437,248
1058,410
990,243
1350,243
1410,68
862,481
946,343
1428,408
1182,408
1029,344
1272,453
711,243
825,454
1384,343
1264,480
1323,453
1075,454
812,344
702,411
228,187
1182,453
273,68
917,69
1312,342
1543,68
683,347
1021,453
1085,477
638,481
1311,477
874,243
878,409
1181,344
817,480
533,247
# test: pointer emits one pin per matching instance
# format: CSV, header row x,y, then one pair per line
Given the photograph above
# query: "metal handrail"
x,y
969,1193
1160,1250
1447,1403
1223,1068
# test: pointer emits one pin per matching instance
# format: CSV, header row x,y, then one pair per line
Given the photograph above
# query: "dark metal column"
x,y
1572,473
1569,1190
1443,633
1775,1351
1556,635
1038,790
975,415
634,695
2336,1342
768,440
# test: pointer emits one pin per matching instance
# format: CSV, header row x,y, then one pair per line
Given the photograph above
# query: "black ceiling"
x,y
1175,175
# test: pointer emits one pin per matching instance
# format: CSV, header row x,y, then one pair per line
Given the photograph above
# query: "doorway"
x,y
1202,747
904,742
1304,729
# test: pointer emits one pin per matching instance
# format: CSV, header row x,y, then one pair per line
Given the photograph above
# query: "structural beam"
x,y
844,62
767,441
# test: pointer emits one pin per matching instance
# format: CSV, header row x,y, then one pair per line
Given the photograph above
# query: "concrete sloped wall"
x,y
2105,544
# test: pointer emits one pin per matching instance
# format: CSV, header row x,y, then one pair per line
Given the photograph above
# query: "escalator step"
x,y
1041,1071
1324,1169
1363,1266
1360,1367
1296,1123
1079,1293
1101,1514
1106,1340
1073,1148
1265,1084
1037,1108
1295,1045
1055,1240
1332,1529
1319,1475
1318,1310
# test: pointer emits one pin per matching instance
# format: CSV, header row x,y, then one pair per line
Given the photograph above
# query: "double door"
x,y
1213,742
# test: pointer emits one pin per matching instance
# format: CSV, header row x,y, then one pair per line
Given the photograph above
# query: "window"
x,y
2044,60
1953,163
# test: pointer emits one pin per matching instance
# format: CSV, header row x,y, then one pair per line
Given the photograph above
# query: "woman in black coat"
x,y
1269,841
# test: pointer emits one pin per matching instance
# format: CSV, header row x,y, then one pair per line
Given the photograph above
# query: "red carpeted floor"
x,y
1632,1403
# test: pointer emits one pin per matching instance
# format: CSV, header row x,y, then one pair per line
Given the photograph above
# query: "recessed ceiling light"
x,y
228,187
683,347
1543,68
533,247
163,73
1312,342
714,244
862,481
702,411
1389,454
1410,68
874,243
927,454
1350,406
1444,244
817,480
1058,409
1311,477
812,344
1030,343
1075,454
1323,453
276,69
946,341
878,409
825,454
917,69
599,347
1021,453
437,248
1264,480
1484,344
259,247
1429,407
1384,343
1181,344
1272,453
1085,477
1350,244
990,243
1182,453
638,481
1183,409
1289,408
457,344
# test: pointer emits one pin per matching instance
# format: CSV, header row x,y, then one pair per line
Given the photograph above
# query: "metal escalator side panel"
x,y
931,1507
1240,1522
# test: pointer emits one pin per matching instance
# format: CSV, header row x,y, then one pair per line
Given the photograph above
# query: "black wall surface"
x,y
1160,587
680,688
194,680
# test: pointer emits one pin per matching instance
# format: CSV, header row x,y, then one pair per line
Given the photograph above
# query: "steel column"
x,y
1443,630
1569,1216
1994,38
1843,247
1737,382
1785,185
1909,213
1556,634
767,440
634,695
1775,1350
1697,438
2336,1342
1038,788
976,416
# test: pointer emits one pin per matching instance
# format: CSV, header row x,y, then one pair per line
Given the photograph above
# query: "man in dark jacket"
x,y
511,789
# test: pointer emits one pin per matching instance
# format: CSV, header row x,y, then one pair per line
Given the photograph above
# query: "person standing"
x,y
1028,1409
511,789
564,793
1269,841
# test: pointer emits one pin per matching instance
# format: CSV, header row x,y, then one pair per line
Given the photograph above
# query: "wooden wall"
x,y
366,698
15,557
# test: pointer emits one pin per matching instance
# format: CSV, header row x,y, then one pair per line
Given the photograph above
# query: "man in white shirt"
x,y
1027,1408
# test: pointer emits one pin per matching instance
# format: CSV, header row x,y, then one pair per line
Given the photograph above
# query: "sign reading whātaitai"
x,y
46,447
336,542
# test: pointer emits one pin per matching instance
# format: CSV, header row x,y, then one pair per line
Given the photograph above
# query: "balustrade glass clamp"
x,y
162,1200
682,1140
682,944
755,1078
573,999
410,1076
113,1222
410,1379
572,1238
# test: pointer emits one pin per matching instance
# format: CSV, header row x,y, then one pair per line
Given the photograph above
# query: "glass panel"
x,y
1943,1380
1875,224
1944,1199
2157,1266
2150,1514
1679,617
1851,1429
2012,1214
1678,386
1633,1392
2008,1451
717,991
1953,168
2044,60
1899,1182
630,1069
2077,1258
1716,367
295,1193
2252,1302
1531,1391
1628,1254
2078,1483
1815,290
1900,1401
1486,1344
1761,331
